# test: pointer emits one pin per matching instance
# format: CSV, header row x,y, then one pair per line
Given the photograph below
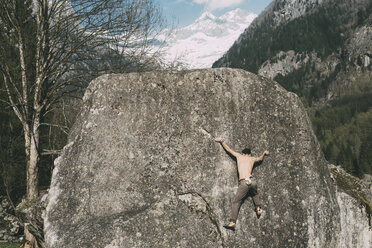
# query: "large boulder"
x,y
142,168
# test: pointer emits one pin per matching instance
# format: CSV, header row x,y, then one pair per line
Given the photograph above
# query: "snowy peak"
x,y
237,15
208,38
206,16
211,25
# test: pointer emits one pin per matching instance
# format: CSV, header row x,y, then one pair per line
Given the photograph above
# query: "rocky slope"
x,y
142,168
331,37
354,197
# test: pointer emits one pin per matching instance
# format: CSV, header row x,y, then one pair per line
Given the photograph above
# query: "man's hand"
x,y
226,147
266,153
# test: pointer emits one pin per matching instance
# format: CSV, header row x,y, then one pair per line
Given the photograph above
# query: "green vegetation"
x,y
322,31
294,81
10,245
344,131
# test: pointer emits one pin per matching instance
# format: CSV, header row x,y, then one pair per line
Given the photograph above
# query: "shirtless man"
x,y
247,182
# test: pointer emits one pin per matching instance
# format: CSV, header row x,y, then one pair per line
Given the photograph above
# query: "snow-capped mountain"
x,y
208,38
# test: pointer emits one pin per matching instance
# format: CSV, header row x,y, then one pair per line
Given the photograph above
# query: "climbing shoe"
x,y
230,226
258,212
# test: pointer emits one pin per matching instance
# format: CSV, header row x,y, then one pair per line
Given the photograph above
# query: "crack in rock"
x,y
195,201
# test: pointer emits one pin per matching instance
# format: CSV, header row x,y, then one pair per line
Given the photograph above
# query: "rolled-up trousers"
x,y
243,191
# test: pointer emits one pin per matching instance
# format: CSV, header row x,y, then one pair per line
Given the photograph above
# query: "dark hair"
x,y
246,151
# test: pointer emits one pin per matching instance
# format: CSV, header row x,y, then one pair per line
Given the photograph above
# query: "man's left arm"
x,y
259,159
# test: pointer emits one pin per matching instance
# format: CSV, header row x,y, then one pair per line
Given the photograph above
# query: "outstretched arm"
x,y
226,147
259,159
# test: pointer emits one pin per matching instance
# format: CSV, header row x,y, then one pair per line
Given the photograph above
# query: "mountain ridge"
x,y
199,44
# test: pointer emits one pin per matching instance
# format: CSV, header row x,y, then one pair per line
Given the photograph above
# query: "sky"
x,y
185,12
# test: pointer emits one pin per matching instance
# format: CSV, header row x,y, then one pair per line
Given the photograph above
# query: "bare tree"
x,y
49,47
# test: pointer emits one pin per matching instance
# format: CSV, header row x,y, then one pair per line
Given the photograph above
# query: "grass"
x,y
10,245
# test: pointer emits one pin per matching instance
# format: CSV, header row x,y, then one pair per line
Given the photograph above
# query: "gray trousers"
x,y
243,191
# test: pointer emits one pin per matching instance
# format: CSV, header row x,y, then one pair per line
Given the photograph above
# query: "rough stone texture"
x,y
355,227
292,9
286,62
142,168
11,229
355,200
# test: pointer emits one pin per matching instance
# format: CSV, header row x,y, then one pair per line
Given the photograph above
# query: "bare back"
x,y
245,165
245,161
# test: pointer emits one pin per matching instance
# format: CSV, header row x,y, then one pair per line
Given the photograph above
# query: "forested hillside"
x,y
325,56
345,132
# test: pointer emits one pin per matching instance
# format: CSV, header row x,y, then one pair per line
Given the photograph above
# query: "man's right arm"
x,y
226,147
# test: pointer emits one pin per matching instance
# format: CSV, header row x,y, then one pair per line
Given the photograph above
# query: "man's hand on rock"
x,y
219,140
266,153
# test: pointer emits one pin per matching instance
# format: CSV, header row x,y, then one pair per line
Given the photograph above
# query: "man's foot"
x,y
258,212
230,226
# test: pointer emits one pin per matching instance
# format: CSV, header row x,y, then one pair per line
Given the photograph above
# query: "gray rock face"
x,y
287,62
142,168
355,229
291,9
355,200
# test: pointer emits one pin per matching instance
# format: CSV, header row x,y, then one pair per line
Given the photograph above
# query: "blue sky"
x,y
184,12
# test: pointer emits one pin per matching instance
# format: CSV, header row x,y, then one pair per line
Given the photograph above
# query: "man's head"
x,y
247,151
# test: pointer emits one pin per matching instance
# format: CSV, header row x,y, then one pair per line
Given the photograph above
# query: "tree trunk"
x,y
32,154
32,158
32,173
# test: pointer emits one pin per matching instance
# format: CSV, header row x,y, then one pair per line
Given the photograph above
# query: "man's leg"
x,y
240,194
255,198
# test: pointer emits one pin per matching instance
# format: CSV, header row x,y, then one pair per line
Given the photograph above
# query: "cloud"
x,y
175,2
218,4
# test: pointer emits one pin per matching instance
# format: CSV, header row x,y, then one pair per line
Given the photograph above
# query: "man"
x,y
247,182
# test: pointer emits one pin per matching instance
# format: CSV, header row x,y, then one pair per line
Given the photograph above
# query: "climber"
x,y
247,183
